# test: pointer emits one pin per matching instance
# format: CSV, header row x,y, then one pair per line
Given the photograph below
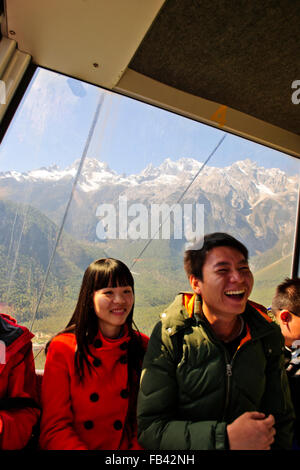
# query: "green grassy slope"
x,y
267,278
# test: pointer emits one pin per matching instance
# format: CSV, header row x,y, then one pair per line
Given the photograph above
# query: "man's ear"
x,y
195,283
285,316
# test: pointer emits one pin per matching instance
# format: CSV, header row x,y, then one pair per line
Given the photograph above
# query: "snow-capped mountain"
x,y
256,203
242,176
95,173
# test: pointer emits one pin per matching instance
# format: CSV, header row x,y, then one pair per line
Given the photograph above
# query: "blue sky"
x,y
53,121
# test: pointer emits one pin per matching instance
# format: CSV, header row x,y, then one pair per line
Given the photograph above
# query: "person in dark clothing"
x,y
213,374
286,309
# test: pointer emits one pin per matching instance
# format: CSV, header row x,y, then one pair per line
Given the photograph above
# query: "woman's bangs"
x,y
120,277
112,275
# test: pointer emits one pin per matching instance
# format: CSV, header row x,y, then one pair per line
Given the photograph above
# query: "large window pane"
x,y
62,207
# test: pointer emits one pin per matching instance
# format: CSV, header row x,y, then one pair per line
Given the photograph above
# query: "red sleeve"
x,y
57,431
17,424
145,340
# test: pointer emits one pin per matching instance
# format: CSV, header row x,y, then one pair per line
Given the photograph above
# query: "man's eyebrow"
x,y
227,263
221,263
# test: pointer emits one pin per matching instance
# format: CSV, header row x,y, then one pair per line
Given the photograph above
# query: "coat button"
x,y
97,362
88,425
124,346
123,359
94,397
118,425
97,343
124,393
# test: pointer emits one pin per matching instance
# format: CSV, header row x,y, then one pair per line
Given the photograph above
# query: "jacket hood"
x,y
177,317
13,335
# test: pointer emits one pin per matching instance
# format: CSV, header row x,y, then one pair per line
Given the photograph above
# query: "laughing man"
x,y
213,375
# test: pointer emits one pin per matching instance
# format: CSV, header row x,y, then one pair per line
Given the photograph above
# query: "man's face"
x,y
227,282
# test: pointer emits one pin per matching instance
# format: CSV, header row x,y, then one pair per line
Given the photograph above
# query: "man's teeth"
x,y
234,292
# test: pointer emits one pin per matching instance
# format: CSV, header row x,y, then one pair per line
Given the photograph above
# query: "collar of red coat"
x,y
105,343
112,342
13,335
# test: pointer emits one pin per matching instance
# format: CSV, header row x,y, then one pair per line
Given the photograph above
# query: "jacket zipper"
x,y
229,365
228,375
228,383
228,370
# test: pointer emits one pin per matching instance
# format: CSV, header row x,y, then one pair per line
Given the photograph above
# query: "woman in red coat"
x,y
92,368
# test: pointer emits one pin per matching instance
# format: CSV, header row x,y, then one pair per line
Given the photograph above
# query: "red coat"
x,y
17,381
88,415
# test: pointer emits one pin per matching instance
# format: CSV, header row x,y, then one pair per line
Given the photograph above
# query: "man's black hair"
x,y
287,297
194,257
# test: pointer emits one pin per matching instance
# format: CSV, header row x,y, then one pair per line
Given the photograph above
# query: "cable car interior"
x,y
127,105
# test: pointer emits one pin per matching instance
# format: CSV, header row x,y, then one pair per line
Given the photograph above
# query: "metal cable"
x,y
90,135
179,199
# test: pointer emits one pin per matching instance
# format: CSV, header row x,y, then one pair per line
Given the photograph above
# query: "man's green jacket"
x,y
191,388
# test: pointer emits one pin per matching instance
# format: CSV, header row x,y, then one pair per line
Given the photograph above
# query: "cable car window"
x,y
87,173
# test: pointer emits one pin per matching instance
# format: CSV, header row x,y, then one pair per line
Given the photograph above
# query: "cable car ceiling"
x,y
242,54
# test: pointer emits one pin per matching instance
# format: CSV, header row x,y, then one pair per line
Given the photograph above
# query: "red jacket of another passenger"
x,y
18,392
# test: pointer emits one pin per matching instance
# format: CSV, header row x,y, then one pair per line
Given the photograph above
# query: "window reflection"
x,y
139,156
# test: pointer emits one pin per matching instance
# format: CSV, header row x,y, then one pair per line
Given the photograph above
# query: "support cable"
x,y
88,141
180,198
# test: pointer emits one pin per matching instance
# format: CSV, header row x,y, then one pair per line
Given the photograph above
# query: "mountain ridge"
x,y
253,203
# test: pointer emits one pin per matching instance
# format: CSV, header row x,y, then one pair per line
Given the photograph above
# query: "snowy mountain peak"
x,y
171,167
91,165
242,195
244,176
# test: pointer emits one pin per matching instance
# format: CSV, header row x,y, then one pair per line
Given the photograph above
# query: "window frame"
x,y
26,80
